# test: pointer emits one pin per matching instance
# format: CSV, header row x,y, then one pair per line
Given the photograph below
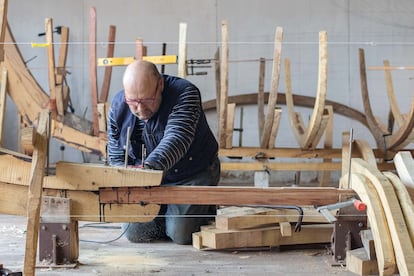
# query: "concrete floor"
x,y
121,257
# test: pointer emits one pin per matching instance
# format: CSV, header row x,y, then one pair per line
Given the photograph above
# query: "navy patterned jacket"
x,y
178,139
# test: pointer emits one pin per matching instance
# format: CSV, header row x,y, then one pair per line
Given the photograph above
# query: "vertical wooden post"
x,y
182,51
51,66
224,82
93,69
37,173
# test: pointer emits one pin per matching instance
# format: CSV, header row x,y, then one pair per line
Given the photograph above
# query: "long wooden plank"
x,y
85,205
403,247
220,195
277,53
224,83
94,176
93,70
35,194
270,236
378,223
249,217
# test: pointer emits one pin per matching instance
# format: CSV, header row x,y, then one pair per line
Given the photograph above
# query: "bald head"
x,y
140,76
143,86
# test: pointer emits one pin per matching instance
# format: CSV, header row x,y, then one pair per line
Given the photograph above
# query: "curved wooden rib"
x,y
270,115
407,205
386,141
310,137
403,248
378,223
304,101
30,99
395,110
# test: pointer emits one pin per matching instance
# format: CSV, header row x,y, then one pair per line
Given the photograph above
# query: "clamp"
x,y
325,210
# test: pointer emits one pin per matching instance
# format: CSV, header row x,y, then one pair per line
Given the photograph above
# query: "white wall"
x,y
385,29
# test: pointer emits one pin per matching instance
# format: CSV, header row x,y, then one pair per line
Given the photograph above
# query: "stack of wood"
x,y
247,227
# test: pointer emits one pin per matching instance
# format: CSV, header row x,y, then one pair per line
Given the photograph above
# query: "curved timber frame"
x,y
385,138
309,137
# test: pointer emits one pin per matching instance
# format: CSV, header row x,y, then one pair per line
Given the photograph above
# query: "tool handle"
x,y
359,205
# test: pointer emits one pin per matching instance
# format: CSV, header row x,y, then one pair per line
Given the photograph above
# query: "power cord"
x,y
99,225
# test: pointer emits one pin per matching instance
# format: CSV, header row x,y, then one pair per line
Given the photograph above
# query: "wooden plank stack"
x,y
247,227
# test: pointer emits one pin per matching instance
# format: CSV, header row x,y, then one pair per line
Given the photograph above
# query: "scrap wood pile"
x,y
248,227
388,246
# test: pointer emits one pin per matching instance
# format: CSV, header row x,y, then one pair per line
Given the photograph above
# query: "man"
x,y
165,117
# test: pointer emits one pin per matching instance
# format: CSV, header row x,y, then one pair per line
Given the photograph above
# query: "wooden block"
x,y
261,179
197,240
285,229
358,262
368,243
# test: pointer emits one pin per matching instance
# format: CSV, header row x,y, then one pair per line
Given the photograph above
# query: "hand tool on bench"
x,y
326,210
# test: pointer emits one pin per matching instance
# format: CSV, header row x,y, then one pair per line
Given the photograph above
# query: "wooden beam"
x,y
91,177
35,193
277,54
222,195
85,205
259,237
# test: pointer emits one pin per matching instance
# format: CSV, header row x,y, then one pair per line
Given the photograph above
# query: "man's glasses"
x,y
143,101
